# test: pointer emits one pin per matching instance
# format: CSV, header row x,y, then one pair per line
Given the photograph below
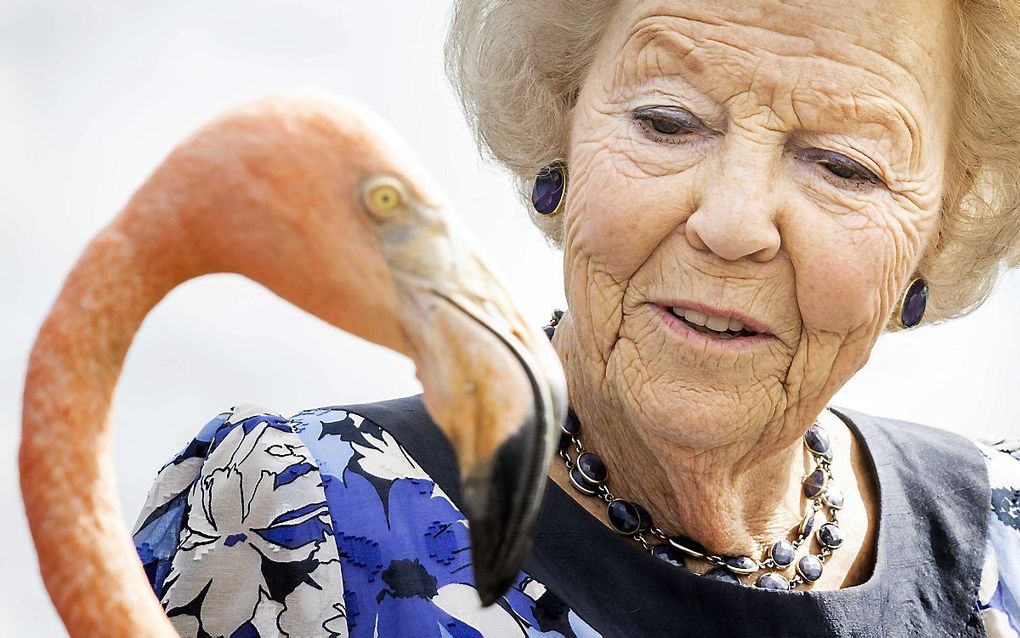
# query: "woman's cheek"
x,y
624,194
843,287
619,220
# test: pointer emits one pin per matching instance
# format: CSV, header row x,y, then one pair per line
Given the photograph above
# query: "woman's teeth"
x,y
720,327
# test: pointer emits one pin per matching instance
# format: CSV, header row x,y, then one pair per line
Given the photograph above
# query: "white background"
x,y
94,94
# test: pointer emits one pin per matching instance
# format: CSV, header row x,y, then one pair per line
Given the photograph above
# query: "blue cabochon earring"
x,y
550,184
911,306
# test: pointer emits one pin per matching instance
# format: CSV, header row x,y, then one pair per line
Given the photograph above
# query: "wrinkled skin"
x,y
801,187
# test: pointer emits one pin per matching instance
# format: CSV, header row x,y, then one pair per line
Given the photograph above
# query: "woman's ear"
x,y
931,265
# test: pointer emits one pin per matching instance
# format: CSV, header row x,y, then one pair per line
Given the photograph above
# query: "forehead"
x,y
870,57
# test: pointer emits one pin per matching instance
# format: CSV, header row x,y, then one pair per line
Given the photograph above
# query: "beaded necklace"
x,y
589,476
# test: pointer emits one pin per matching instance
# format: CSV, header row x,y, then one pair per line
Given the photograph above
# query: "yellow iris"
x,y
383,199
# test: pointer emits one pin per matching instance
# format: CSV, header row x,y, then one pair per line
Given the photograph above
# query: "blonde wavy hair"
x,y
517,67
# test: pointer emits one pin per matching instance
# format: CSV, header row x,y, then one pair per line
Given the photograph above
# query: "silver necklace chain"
x,y
657,542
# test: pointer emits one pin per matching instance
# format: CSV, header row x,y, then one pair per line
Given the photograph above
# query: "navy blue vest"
x,y
933,490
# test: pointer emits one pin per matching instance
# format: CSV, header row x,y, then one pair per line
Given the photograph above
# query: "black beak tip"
x,y
500,501
491,580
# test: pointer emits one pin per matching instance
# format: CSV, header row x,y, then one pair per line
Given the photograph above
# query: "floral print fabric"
x,y
320,525
323,525
237,538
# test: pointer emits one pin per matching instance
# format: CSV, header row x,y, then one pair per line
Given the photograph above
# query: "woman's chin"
x,y
696,418
686,366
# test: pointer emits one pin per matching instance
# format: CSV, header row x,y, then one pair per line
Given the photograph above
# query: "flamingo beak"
x,y
495,387
502,490
493,384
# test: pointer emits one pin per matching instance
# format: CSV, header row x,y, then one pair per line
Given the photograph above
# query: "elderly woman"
x,y
747,194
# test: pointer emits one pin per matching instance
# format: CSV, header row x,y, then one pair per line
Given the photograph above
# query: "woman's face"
x,y
776,161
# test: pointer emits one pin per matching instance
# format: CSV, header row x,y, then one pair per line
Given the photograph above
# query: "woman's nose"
x,y
736,216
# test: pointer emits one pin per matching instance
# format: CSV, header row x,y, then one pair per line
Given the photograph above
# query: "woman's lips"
x,y
699,338
752,324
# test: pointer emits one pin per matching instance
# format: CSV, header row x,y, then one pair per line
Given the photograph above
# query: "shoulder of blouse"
x,y
999,591
236,537
244,530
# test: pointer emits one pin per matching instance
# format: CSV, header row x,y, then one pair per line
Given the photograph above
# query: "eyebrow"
x,y
838,112
894,120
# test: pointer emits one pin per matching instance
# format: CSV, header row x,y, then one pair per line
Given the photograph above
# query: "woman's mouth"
x,y
700,328
718,327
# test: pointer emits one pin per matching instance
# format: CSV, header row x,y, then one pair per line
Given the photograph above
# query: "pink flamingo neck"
x,y
66,444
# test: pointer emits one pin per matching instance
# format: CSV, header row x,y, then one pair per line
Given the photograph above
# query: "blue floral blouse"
x,y
322,524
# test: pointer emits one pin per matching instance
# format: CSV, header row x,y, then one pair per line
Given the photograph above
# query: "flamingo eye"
x,y
383,198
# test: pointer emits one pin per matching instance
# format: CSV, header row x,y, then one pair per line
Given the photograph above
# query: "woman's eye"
x,y
846,171
665,126
667,123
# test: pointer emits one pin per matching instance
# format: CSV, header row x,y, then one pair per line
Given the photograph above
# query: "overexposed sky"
x,y
94,93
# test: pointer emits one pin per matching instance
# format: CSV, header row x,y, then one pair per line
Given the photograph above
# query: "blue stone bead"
x,y
833,497
830,535
782,553
817,440
720,573
741,564
670,554
592,468
814,483
807,525
688,546
914,302
571,425
582,484
646,518
548,190
772,580
809,568
623,516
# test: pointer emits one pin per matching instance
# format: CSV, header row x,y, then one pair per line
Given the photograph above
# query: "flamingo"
x,y
318,200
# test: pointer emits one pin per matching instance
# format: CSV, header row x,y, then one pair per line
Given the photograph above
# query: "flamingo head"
x,y
361,238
